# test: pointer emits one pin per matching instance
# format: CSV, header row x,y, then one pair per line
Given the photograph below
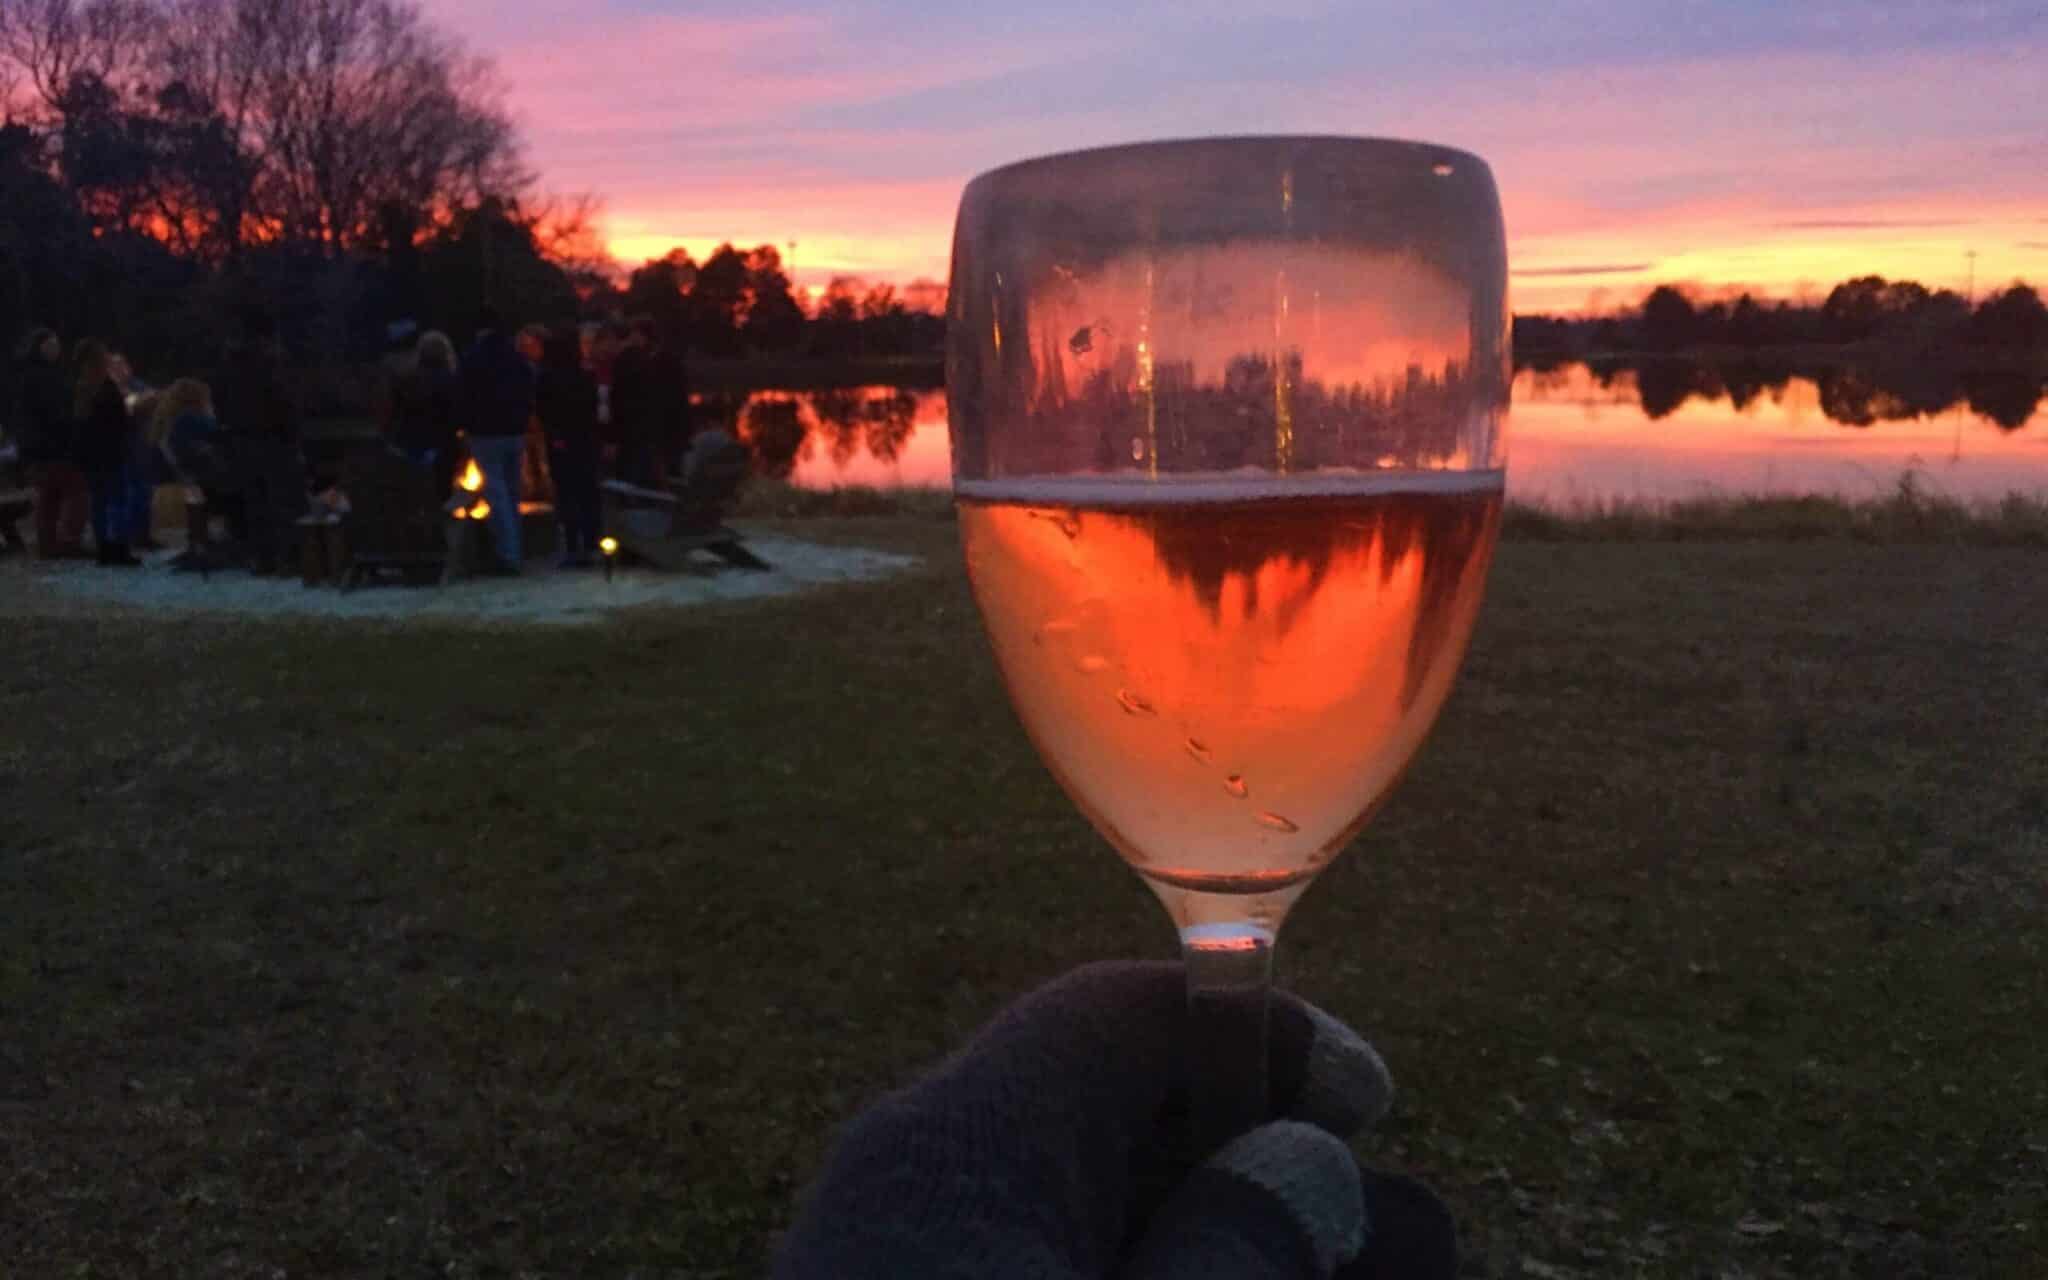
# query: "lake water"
x,y
1575,434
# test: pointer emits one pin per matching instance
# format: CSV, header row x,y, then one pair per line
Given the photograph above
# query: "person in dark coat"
x,y
425,413
259,420
497,392
649,407
400,358
566,400
631,374
104,444
671,379
43,425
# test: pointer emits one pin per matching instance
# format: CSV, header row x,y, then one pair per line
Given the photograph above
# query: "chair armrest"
x,y
638,494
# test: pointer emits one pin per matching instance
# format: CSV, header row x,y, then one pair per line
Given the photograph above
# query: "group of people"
x,y
555,408
97,444
591,396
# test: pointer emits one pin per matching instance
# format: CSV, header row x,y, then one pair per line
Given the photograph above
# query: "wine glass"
x,y
1227,454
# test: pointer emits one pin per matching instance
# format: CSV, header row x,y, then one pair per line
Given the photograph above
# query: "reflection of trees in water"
x,y
1852,395
781,427
1847,397
2008,399
887,421
838,412
774,431
1743,383
1665,385
1207,545
1861,398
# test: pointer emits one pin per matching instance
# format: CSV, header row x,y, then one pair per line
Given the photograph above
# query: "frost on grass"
x,y
543,595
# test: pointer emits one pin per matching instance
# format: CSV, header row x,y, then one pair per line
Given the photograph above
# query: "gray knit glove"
x,y
1048,1149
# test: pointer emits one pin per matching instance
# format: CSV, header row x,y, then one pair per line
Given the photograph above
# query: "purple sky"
x,y
1717,143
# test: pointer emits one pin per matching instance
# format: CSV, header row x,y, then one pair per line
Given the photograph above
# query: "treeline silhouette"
x,y
169,166
740,303
1889,318
1878,350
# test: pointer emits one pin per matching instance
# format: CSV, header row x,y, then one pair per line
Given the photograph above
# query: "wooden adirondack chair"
x,y
395,520
665,527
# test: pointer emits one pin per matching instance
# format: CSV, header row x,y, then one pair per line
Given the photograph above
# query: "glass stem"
x,y
1230,971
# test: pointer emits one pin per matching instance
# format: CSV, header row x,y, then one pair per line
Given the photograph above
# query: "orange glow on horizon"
x,y
1564,260
1725,250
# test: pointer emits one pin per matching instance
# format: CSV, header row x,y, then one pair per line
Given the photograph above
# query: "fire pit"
x,y
470,549
469,539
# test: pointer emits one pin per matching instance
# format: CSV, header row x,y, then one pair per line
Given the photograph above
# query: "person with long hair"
x,y
426,409
43,412
178,437
565,400
105,443
183,441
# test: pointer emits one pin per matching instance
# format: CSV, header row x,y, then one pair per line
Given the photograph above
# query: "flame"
x,y
481,509
472,477
610,546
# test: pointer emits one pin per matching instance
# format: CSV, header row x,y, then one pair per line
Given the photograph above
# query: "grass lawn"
x,y
1705,937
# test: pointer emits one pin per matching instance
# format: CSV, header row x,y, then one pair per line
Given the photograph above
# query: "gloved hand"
x,y
1048,1149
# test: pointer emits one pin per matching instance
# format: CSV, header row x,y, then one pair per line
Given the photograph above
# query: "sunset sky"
x,y
1729,143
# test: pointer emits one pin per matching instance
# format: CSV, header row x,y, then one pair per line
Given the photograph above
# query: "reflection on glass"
x,y
1228,688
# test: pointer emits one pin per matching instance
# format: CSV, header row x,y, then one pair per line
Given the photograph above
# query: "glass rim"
x,y
1369,144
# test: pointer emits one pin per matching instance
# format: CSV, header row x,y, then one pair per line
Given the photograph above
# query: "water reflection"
x,y
1672,429
1854,396
880,436
1654,430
